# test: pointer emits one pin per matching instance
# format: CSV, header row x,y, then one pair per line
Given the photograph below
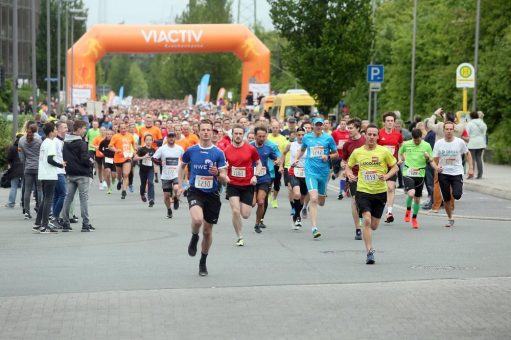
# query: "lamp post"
x,y
14,68
48,59
412,81
58,56
34,69
476,55
73,19
72,11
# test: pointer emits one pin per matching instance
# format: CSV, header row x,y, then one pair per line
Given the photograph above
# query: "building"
x,y
24,37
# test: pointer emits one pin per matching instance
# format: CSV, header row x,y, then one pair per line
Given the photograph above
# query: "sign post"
x,y
375,76
465,78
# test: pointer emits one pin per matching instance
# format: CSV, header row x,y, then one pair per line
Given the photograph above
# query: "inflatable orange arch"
x,y
203,38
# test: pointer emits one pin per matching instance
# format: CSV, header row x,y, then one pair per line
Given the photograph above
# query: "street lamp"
x,y
72,11
73,19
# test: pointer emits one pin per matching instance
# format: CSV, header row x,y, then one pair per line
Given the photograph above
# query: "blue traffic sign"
x,y
375,73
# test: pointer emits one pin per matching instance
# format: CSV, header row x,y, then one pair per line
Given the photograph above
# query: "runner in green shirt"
x,y
415,154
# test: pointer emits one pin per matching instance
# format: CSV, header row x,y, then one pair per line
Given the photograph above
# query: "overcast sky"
x,y
162,11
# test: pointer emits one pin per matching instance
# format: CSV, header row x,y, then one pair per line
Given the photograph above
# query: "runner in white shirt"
x,y
169,155
447,153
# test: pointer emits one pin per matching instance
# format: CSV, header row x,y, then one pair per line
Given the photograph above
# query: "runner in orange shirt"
x,y
123,144
191,138
152,130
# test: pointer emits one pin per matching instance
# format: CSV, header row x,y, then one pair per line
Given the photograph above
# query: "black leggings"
x,y
277,179
477,159
448,182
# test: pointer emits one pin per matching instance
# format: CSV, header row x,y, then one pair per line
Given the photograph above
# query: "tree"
x,y
329,43
137,85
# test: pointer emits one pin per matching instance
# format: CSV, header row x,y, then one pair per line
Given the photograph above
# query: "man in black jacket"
x,y
79,172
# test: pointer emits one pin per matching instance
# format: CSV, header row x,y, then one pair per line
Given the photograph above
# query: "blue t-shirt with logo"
x,y
200,160
266,153
317,147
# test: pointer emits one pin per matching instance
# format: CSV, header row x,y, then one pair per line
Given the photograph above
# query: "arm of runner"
x,y
349,174
300,155
391,173
470,171
259,165
181,173
438,168
222,176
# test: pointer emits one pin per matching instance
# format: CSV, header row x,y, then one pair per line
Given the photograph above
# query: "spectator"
x,y
15,171
476,129
29,147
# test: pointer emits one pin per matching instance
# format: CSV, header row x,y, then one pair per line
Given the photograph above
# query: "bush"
x,y
500,143
6,136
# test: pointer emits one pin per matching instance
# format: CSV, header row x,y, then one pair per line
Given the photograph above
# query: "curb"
x,y
443,215
502,192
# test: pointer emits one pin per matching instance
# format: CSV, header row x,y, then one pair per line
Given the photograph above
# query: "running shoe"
x,y
130,188
192,247
36,229
275,204
262,225
109,191
240,242
389,218
123,194
119,184
257,229
203,270
358,234
370,257
340,196
66,228
143,198
315,232
415,223
176,203
305,214
54,224
450,223
151,203
47,230
407,215
27,216
298,224
169,213
73,219
88,228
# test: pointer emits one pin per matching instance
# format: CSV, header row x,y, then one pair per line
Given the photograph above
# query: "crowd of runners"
x,y
205,156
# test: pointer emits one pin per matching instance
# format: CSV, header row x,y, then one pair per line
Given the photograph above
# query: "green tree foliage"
x,y
118,72
328,43
137,84
41,55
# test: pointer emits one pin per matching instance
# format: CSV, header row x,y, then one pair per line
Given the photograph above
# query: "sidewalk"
x,y
495,181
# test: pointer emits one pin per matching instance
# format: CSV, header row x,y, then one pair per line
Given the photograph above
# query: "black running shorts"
x,y
209,202
245,193
373,203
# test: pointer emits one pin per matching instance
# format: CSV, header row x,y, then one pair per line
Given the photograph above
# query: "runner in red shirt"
x,y
240,158
392,140
340,136
356,141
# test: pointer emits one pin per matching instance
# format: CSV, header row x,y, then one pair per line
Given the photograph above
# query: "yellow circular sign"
x,y
465,71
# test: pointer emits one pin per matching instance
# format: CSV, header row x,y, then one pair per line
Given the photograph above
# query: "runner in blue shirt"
x,y
207,167
266,152
320,149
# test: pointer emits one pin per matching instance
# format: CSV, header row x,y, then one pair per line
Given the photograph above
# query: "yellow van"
x,y
293,103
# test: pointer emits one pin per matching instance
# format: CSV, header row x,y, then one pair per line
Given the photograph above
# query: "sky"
x,y
163,11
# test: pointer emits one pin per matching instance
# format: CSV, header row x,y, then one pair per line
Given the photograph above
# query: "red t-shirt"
x,y
340,137
241,163
349,147
391,141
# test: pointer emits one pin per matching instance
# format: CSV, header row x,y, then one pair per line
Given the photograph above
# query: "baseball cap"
x,y
317,120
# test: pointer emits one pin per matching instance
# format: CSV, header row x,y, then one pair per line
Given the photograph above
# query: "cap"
x,y
317,120
291,120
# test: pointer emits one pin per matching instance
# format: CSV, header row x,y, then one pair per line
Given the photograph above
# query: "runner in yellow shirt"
x,y
376,165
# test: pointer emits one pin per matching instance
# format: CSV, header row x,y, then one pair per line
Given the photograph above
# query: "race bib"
x,y
260,173
147,162
391,148
204,182
170,171
340,144
450,161
127,154
109,160
238,172
316,152
414,172
370,176
299,172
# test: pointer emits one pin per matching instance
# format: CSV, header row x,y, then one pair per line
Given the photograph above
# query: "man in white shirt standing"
x,y
447,153
48,176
